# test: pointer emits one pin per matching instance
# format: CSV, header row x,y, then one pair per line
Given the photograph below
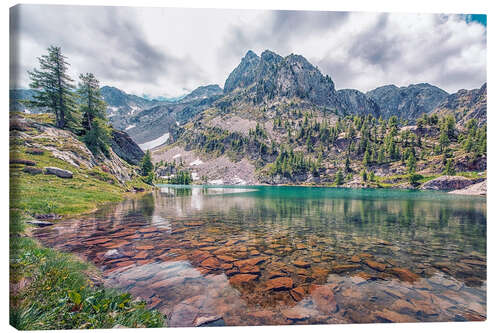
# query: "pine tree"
x,y
449,169
339,178
98,137
411,162
146,164
54,88
92,104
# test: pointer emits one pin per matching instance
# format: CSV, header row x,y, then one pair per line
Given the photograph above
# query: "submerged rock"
x,y
239,279
280,283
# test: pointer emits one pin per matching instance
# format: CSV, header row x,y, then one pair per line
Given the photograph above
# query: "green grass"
x,y
51,289
58,293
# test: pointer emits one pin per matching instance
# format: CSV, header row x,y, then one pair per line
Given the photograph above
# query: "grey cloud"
x,y
111,39
375,46
277,32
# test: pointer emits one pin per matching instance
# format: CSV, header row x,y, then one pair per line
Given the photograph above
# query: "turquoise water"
x,y
233,255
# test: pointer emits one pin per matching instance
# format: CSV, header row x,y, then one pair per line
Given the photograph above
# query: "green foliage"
x,y
54,88
290,164
98,137
414,179
339,178
411,162
92,104
61,296
449,168
146,164
181,178
364,175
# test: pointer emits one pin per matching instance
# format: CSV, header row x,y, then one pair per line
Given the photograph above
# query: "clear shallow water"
x,y
290,255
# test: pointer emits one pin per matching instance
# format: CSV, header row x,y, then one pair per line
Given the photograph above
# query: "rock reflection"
x,y
274,257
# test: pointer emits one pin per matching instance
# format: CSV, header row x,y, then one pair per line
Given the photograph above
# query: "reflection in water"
x,y
283,255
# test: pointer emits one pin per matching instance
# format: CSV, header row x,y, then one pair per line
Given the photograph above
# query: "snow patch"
x,y
129,127
216,182
196,162
155,143
176,156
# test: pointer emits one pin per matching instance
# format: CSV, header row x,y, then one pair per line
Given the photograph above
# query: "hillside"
x,y
465,105
53,172
280,121
281,110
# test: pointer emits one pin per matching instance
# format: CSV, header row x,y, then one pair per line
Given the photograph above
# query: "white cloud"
x,y
160,51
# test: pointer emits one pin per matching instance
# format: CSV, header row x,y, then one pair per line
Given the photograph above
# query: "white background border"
x,y
423,6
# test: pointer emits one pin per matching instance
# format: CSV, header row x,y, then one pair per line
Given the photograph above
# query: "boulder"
x,y
61,173
32,170
475,189
448,183
21,161
123,145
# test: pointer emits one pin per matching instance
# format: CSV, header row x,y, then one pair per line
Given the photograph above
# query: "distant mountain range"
x,y
272,81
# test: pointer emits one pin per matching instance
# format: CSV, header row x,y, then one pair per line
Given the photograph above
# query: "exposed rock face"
x,y
243,75
448,183
465,105
61,173
126,148
273,76
475,189
407,102
355,102
203,92
70,149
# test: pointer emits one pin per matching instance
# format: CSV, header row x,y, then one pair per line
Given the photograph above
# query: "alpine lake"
x,y
265,255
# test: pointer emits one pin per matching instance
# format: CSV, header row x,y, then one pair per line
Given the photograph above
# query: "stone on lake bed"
x,y
274,274
393,317
239,279
344,268
211,263
250,269
297,313
356,259
324,299
183,315
375,265
298,293
251,262
404,274
204,320
301,264
280,283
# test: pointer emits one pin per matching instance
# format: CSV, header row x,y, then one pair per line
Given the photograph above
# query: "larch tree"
x,y
97,132
54,88
92,104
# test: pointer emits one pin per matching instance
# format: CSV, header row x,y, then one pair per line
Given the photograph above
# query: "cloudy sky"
x,y
168,52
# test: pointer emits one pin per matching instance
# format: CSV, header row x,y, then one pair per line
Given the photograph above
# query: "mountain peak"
x,y
250,55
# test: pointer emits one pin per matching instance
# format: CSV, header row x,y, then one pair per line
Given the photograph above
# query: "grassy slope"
x,y
50,289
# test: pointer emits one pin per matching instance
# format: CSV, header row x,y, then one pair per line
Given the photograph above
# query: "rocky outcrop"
x,y
407,102
66,146
465,105
475,189
203,92
448,183
355,102
270,76
61,173
123,145
244,74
